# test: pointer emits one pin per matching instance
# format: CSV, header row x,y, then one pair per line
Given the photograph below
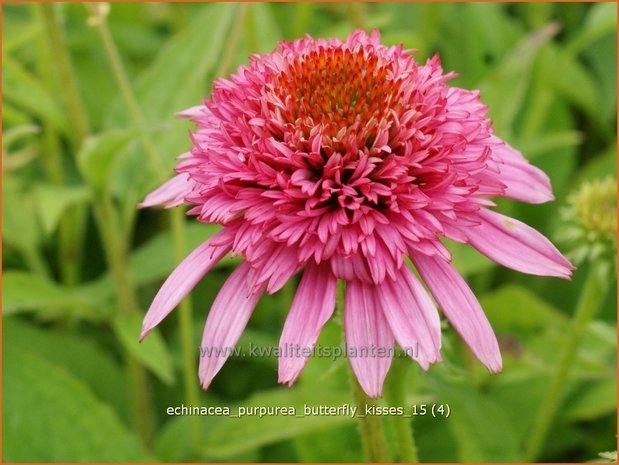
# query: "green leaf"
x,y
17,32
481,428
549,142
24,90
174,440
78,353
151,262
514,308
262,20
99,153
152,352
592,401
176,80
52,201
601,21
18,133
336,445
157,258
50,416
575,82
467,260
232,436
603,59
19,225
600,166
512,77
23,291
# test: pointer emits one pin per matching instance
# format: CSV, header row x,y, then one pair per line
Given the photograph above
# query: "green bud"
x,y
591,218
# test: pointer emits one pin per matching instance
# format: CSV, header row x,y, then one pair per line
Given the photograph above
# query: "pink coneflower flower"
x,y
339,159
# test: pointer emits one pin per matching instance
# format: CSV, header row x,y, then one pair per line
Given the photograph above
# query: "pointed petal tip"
x,y
286,377
145,331
286,380
425,365
373,392
541,197
495,369
377,394
493,362
205,384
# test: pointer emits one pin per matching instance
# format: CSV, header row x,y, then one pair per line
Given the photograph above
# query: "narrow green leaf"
x,y
177,79
52,201
549,142
23,291
263,21
593,401
19,226
514,308
17,133
24,90
601,21
152,352
467,260
157,258
512,77
99,153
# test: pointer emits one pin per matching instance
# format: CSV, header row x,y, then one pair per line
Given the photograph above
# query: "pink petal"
x,y
226,320
515,245
312,306
524,181
412,316
183,279
369,340
172,193
191,112
461,308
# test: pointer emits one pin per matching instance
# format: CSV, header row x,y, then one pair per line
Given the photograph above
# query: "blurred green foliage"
x,y
547,72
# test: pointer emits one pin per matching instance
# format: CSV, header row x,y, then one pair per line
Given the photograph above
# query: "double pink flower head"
x,y
340,159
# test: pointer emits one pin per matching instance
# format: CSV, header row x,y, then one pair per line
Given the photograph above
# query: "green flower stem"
x,y
591,298
71,228
395,394
78,119
35,262
356,12
371,428
117,259
177,224
233,40
71,234
50,155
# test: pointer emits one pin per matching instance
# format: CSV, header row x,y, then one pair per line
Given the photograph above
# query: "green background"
x,y
548,75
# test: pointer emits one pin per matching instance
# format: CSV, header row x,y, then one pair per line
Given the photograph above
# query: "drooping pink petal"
x,y
312,306
170,194
524,181
461,308
191,112
515,245
226,320
369,340
412,316
184,278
